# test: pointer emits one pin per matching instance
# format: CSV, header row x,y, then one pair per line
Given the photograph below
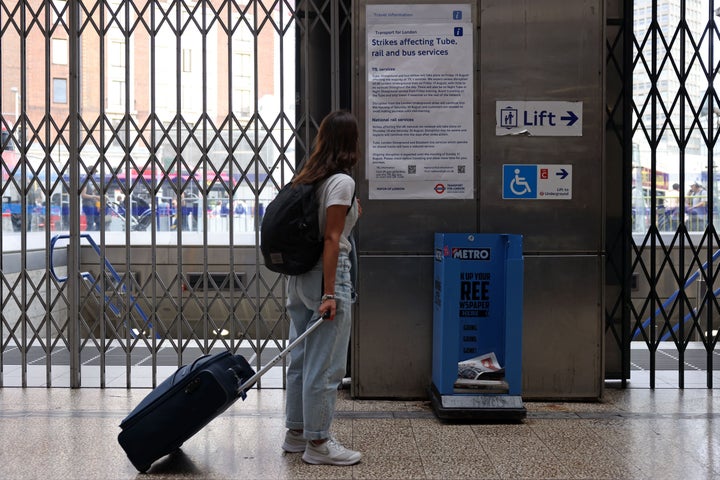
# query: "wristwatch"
x,y
327,296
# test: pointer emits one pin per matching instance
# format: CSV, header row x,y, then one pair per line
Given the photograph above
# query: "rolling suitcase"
x,y
188,400
180,406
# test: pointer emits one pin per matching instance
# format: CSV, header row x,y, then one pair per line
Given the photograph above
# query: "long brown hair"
x,y
336,148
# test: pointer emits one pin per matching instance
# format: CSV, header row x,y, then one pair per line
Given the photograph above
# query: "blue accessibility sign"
x,y
537,182
520,181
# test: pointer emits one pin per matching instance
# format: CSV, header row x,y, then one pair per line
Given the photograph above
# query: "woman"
x,y
318,365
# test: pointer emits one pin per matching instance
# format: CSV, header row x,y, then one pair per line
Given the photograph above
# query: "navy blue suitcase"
x,y
187,401
182,405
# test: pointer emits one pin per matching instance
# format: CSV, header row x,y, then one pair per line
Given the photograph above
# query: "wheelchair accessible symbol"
x,y
519,181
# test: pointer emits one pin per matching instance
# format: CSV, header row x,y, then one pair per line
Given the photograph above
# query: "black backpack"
x,y
290,239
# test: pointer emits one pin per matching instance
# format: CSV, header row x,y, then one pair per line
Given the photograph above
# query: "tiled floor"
x,y
632,434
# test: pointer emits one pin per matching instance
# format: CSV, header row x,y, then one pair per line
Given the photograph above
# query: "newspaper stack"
x,y
482,373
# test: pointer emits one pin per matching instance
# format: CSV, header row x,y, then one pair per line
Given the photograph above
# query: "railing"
x,y
94,284
672,298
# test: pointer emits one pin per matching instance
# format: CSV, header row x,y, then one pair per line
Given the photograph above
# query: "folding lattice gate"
x,y
142,139
662,243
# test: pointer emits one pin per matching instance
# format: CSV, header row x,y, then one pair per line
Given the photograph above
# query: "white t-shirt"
x,y
338,189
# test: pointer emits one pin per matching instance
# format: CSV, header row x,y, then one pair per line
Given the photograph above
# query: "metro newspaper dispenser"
x,y
477,327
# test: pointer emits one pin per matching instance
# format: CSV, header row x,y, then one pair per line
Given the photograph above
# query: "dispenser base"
x,y
477,407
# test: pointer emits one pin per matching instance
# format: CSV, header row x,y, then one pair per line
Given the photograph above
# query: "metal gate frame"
x,y
91,320
653,274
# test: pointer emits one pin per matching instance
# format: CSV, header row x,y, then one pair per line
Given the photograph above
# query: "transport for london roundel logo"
x,y
440,188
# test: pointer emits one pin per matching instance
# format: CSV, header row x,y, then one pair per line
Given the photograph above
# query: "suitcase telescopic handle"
x,y
251,381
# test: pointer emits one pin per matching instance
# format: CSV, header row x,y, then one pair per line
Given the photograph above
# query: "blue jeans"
x,y
317,366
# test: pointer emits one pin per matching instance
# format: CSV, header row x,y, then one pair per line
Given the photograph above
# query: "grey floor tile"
x,y
477,466
530,466
512,430
389,442
389,467
378,426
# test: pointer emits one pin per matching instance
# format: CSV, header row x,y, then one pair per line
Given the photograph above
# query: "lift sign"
x,y
544,118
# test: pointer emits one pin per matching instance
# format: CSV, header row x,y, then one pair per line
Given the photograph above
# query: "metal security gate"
x,y
662,242
141,141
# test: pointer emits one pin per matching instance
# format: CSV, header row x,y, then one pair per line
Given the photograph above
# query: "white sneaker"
x,y
330,453
294,442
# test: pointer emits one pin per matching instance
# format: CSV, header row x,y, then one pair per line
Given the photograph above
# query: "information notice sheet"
x,y
420,101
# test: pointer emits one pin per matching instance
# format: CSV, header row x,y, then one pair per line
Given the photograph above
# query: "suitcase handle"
x,y
250,381
189,369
